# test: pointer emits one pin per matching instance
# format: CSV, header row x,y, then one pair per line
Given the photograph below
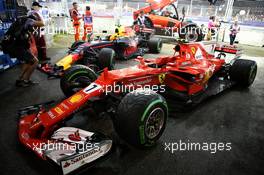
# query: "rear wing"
x,y
230,49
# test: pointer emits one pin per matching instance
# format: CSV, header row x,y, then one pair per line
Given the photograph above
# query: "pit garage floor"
x,y
235,116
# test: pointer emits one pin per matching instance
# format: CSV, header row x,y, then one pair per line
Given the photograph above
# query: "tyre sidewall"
x,y
72,74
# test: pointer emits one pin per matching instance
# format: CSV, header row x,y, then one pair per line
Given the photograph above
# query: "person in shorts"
x,y
27,52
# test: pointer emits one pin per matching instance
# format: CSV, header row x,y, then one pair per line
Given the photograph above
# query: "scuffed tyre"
x,y
141,118
243,72
76,78
106,58
155,45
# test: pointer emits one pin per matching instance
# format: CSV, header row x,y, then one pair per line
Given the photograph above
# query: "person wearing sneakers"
x,y
26,50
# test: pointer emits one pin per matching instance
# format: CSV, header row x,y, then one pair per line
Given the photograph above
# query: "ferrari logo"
x,y
76,98
162,78
193,50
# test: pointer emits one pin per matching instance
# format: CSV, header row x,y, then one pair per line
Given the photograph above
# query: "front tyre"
x,y
76,78
141,118
243,72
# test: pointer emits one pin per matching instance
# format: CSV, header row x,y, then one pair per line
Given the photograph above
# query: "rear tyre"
x,y
192,34
141,118
107,58
76,78
243,72
155,45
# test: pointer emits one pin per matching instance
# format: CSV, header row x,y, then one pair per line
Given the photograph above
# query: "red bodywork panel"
x,y
188,72
154,5
157,20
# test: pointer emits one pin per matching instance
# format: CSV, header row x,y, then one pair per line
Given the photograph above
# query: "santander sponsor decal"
x,y
80,158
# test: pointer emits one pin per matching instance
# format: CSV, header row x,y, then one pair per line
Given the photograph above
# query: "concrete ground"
x,y
235,116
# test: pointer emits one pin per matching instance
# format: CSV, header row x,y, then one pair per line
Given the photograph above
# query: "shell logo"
x,y
76,98
58,110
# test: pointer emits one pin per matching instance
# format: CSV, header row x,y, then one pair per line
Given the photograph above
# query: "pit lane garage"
x,y
233,117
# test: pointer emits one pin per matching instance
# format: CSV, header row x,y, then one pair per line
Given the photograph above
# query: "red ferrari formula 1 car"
x,y
134,97
164,17
125,44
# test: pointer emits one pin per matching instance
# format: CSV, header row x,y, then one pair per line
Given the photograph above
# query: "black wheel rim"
x,y
78,83
191,35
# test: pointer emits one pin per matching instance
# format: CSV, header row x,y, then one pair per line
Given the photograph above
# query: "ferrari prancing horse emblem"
x,y
162,78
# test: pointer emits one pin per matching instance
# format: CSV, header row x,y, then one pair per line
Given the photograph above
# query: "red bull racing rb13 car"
x,y
139,112
125,44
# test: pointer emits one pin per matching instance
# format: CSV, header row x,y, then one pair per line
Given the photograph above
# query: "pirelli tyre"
x,y
141,118
243,72
76,78
191,33
106,58
155,45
